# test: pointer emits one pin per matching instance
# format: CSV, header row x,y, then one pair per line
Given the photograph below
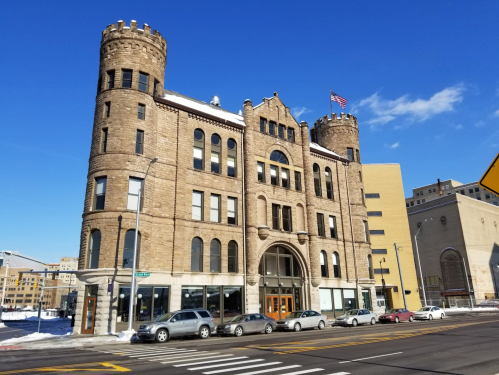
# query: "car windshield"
x,y
295,314
352,312
392,311
425,309
237,319
164,318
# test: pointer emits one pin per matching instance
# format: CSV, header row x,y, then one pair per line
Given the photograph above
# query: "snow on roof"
x,y
316,147
200,106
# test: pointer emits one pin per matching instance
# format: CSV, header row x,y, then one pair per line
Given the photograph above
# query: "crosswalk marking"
x,y
197,354
270,370
241,368
151,354
195,359
216,360
224,364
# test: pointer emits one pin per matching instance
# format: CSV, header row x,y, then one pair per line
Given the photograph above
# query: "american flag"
x,y
338,99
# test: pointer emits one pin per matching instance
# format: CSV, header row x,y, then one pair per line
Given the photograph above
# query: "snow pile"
x,y
31,337
27,315
475,309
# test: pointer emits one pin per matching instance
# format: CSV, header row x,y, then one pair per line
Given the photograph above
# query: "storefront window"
x,y
326,300
192,297
213,301
161,299
233,301
349,300
143,311
123,303
338,302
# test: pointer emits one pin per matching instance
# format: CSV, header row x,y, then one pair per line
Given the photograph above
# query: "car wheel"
x,y
411,318
355,323
204,332
373,321
161,335
397,320
442,316
238,332
297,327
322,325
430,317
268,329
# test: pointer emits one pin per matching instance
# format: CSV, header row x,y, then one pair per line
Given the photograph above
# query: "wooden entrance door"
x,y
286,306
89,315
278,307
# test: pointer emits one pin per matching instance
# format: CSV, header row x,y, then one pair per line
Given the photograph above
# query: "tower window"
x,y
139,142
231,158
103,140
198,149
272,126
141,112
143,81
110,79
134,189
317,180
329,184
215,153
297,181
126,78
261,171
357,154
107,109
350,153
155,89
263,125
291,135
100,193
282,129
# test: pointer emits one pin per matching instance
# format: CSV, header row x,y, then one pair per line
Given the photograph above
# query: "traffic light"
x,y
36,284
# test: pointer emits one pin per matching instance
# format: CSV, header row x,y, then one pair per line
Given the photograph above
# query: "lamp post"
x,y
134,261
383,279
419,261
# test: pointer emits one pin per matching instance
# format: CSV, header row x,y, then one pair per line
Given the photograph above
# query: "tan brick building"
x,y
241,212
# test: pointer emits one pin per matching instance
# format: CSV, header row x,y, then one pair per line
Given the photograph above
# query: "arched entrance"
x,y
281,281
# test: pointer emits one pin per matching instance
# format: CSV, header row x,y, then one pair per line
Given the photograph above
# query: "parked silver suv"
x,y
178,323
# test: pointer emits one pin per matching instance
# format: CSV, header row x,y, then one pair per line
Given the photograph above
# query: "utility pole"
x,y
41,300
400,273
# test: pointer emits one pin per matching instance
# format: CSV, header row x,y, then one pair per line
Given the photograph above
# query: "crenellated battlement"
x,y
343,119
121,31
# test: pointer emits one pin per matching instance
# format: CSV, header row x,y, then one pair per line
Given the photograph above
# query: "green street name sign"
x,y
142,274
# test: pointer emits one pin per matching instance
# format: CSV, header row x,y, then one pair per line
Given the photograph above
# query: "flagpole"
x,y
331,103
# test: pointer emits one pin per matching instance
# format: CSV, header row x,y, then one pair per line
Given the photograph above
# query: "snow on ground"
x,y
475,309
27,315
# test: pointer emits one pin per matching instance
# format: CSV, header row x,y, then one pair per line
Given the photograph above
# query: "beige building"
x,y
458,243
388,224
241,212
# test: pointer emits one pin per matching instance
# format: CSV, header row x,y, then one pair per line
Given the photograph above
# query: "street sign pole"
x,y
400,273
41,300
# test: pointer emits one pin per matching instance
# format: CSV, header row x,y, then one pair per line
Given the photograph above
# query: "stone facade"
x,y
224,167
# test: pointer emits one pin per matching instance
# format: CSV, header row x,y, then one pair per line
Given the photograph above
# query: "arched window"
x,y
336,265
215,250
198,149
451,264
323,258
329,184
197,255
94,250
279,157
216,150
231,158
370,266
128,250
232,257
317,180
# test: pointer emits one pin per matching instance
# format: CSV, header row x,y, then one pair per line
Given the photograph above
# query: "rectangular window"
x,y
232,210
487,196
198,158
377,271
412,203
286,219
357,154
476,190
363,198
155,88
215,208
110,79
197,205
298,181
371,195
107,109
462,192
471,191
272,128
285,178
291,135
215,162
332,227
134,186
139,142
143,81
320,225
100,193
141,112
374,213
231,166
379,251
263,125
350,153
261,171
126,78
377,231
276,217
274,178
103,140
282,129
366,231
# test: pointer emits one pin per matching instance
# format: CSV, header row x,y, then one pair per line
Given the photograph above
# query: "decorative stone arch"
x,y
278,147
302,261
451,265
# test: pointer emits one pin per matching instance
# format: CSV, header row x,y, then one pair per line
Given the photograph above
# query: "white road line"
x,y
141,350
160,353
298,372
270,370
214,361
336,373
376,356
225,364
242,368
196,359
197,354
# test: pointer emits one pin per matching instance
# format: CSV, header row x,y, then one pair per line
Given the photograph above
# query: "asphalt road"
x,y
456,345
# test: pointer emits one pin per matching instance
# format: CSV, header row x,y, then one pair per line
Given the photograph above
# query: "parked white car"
x,y
355,317
429,313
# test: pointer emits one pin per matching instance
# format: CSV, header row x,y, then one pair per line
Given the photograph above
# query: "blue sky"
x,y
420,76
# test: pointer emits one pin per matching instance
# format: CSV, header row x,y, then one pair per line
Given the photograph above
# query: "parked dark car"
x,y
246,323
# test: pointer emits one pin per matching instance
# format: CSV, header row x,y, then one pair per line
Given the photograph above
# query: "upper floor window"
x,y
320,225
360,176
100,193
374,213
94,249
370,266
297,181
336,265
285,178
323,260
129,248
329,184
141,112
282,129
232,257
357,154
372,195
215,153
155,88
279,157
260,167
143,81
110,79
272,126
291,135
274,178
231,210
103,140
317,180
197,205
126,78
215,208
197,255
215,255
198,149
332,227
107,109
286,219
263,125
276,216
134,189
350,153
231,158
139,142
366,231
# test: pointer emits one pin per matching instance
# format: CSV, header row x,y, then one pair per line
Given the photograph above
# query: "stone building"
x,y
240,213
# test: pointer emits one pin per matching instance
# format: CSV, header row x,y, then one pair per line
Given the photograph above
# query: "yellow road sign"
x,y
490,180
